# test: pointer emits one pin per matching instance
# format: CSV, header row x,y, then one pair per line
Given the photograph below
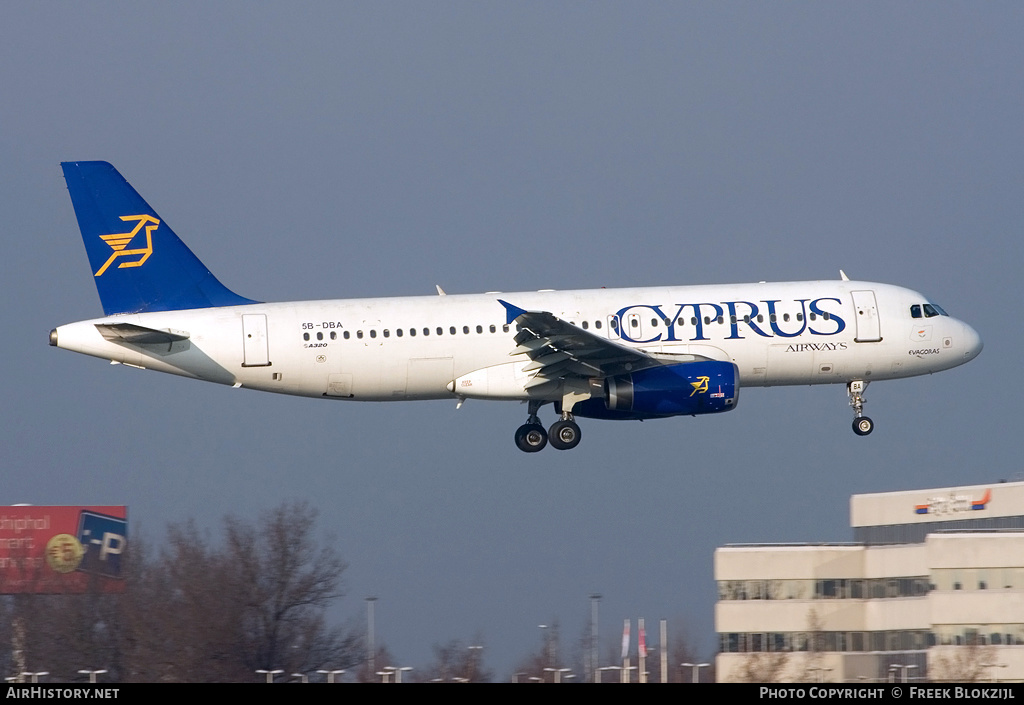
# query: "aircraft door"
x,y
633,327
254,340
868,326
613,327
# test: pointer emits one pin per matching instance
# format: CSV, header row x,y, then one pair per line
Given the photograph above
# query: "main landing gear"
x,y
862,425
531,437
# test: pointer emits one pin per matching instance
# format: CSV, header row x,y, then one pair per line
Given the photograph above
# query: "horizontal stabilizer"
x,y
139,335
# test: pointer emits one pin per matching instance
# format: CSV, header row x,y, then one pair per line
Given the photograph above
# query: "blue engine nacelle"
x,y
688,388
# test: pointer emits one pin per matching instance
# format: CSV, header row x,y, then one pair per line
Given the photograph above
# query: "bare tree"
x,y
284,584
961,664
196,610
538,665
764,667
456,661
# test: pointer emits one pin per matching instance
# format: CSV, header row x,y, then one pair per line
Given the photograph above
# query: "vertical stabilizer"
x,y
139,264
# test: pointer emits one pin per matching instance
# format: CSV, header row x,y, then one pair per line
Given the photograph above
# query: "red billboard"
x,y
62,549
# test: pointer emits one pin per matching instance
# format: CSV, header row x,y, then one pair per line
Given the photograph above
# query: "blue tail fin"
x,y
138,262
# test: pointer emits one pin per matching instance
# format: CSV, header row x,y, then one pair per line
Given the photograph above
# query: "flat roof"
x,y
996,499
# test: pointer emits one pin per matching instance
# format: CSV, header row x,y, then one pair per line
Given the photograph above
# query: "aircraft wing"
x,y
558,349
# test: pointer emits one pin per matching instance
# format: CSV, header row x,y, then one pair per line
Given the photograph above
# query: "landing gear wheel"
x,y
862,426
564,435
531,437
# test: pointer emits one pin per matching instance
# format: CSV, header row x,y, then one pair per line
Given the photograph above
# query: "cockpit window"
x,y
915,311
931,310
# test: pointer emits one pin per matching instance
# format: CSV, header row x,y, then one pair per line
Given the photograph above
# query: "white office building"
x,y
932,588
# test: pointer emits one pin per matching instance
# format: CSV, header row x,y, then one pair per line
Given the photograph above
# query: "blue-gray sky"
x,y
330,150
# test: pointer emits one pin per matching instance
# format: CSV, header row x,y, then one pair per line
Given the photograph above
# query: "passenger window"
x,y
373,333
586,325
479,330
597,324
504,328
412,332
346,335
760,318
359,334
334,335
305,336
399,333
451,330
319,336
493,329
465,330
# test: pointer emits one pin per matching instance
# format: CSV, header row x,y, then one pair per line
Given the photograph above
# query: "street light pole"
x,y
371,649
695,677
330,674
595,600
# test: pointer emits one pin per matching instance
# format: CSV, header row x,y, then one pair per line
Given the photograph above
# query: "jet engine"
x,y
690,388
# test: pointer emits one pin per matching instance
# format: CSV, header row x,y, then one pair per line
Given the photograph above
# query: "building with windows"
x,y
932,588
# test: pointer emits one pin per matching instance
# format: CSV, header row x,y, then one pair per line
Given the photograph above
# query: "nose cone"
x,y
972,342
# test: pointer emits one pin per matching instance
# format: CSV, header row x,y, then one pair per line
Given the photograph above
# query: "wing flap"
x,y
558,349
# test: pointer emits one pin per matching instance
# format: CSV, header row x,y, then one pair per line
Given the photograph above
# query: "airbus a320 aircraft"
x,y
603,353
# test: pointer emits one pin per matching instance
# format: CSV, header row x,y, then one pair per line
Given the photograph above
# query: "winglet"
x,y
440,291
513,312
842,275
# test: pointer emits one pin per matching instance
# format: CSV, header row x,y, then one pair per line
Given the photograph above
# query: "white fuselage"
x,y
389,349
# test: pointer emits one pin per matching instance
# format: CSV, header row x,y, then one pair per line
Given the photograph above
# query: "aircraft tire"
x,y
862,426
564,435
531,438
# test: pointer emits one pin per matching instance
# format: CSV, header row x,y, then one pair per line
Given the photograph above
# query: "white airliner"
x,y
639,353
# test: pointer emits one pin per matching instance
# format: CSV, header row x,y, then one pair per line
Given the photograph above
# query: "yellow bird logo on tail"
x,y
119,241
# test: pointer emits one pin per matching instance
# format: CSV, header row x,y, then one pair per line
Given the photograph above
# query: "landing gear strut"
x,y
862,425
531,436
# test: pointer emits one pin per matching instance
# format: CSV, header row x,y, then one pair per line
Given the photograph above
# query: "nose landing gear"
x,y
862,425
